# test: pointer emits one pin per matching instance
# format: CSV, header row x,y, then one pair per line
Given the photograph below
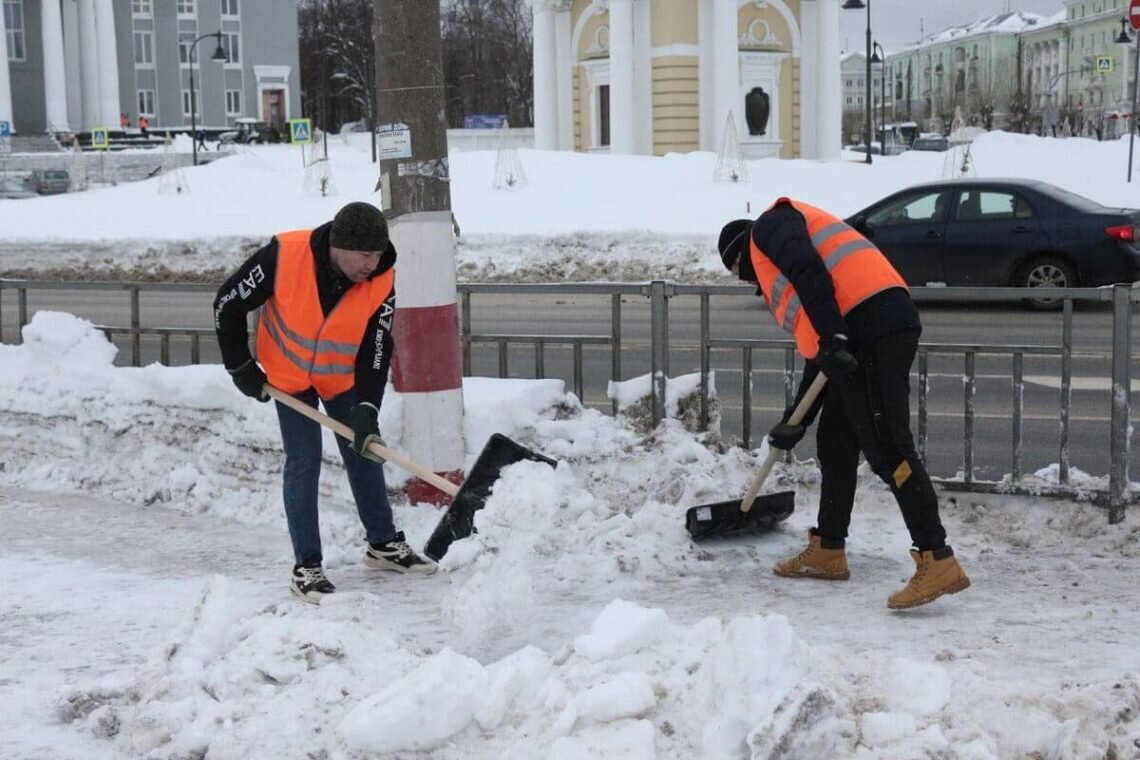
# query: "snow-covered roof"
x,y
1013,22
1047,22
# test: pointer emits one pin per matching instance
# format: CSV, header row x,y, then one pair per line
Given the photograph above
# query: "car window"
x,y
988,205
912,209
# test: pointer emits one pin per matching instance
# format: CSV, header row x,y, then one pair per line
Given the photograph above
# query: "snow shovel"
x,y
752,513
459,519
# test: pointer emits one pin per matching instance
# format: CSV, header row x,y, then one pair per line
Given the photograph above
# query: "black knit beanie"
x,y
733,241
359,227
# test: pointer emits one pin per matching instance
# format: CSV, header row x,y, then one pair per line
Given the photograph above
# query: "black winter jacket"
x,y
252,285
782,234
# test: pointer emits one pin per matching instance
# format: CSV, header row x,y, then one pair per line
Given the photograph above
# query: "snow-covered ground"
x,y
146,612
579,217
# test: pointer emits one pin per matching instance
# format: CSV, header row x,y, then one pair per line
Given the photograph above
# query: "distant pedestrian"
x,y
143,124
201,139
124,121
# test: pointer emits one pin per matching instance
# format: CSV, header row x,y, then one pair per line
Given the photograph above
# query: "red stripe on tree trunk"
x,y
427,354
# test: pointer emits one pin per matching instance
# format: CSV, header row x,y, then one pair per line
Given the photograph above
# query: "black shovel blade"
x,y
459,519
725,519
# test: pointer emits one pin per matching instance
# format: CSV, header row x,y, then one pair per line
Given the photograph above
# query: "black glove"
x,y
785,436
835,359
250,380
365,419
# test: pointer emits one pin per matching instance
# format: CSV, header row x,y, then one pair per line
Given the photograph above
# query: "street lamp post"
x,y
219,55
1124,39
854,5
880,57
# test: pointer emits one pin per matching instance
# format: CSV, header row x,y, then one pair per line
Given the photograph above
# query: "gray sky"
x,y
895,23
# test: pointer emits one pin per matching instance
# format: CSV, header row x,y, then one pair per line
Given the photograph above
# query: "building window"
x,y
185,7
848,100
603,115
146,103
185,41
14,28
186,104
144,49
231,44
233,102
141,8
230,8
849,83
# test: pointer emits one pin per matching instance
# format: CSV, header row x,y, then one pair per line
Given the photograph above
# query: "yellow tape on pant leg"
x,y
901,473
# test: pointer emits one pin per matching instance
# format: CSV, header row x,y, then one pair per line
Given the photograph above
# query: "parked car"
x,y
50,181
12,186
930,142
246,131
1002,232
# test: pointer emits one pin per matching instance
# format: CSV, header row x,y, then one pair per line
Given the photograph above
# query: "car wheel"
x,y
1047,272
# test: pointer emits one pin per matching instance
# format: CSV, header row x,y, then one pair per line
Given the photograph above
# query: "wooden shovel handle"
x,y
344,431
798,414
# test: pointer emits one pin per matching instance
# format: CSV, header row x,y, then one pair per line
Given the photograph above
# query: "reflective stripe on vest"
x,y
297,344
279,331
858,271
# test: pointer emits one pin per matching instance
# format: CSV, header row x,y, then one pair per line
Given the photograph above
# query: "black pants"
x,y
869,411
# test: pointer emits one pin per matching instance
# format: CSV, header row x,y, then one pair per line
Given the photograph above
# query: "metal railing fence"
x,y
658,294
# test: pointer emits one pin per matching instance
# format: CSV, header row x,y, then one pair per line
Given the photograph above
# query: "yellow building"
x,y
660,76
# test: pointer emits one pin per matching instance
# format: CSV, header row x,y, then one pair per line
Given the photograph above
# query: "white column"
x,y
706,66
109,105
5,84
71,64
545,78
829,95
726,85
643,77
89,63
809,79
622,123
564,68
55,83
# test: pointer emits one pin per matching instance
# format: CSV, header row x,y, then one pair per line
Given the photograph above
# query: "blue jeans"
x,y
302,441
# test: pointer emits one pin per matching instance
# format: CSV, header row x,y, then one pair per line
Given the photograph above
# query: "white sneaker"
x,y
310,584
398,557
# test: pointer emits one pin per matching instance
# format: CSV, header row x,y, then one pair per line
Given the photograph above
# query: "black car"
x,y
930,142
1000,232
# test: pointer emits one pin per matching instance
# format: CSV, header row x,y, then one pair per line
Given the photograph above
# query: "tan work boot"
x,y
815,562
932,578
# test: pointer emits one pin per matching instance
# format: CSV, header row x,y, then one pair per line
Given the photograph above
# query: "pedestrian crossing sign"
x,y
1104,64
301,131
5,129
100,138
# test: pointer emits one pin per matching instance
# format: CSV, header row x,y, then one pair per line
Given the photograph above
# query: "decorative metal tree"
x,y
730,166
509,172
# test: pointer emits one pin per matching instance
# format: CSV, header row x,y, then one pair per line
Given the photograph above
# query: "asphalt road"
x,y
977,324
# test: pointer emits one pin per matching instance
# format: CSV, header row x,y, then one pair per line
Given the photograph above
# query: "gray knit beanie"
x,y
359,227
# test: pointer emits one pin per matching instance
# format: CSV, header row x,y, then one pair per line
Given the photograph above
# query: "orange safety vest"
x,y
858,271
298,345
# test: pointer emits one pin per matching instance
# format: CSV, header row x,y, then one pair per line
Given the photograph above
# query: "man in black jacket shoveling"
x,y
852,319
327,299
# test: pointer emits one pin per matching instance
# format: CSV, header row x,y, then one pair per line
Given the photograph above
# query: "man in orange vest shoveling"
x,y
327,301
852,319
